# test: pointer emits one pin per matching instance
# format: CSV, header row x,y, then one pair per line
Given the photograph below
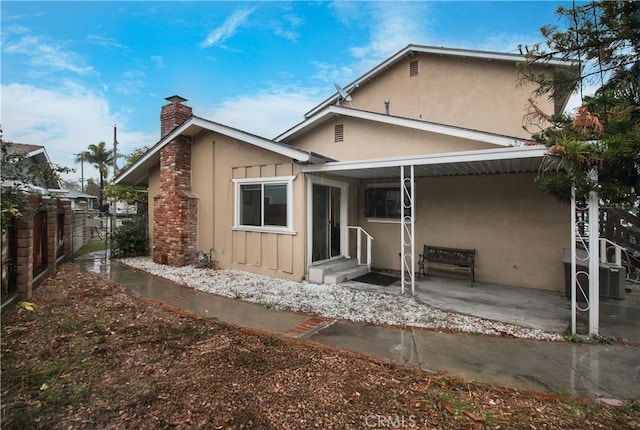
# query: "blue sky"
x,y
71,70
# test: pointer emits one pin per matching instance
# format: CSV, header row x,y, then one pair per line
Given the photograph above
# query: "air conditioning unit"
x,y
612,278
612,281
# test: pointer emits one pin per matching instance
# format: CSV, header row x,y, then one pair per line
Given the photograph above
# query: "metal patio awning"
x,y
478,162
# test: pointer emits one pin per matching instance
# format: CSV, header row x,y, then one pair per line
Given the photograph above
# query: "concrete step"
x,y
345,274
318,272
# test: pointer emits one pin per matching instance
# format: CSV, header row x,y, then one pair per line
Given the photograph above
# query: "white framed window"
x,y
264,204
382,202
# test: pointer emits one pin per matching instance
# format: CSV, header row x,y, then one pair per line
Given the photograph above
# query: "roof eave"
x,y
136,174
460,132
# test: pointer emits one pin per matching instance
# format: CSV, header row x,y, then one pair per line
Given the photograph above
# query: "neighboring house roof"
x,y
137,173
24,148
410,49
337,111
37,154
484,161
73,194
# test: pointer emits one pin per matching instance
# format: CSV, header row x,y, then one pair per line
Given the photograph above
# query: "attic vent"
x,y
339,133
413,68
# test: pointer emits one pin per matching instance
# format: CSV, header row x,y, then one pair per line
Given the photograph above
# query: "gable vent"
x,y
413,68
339,133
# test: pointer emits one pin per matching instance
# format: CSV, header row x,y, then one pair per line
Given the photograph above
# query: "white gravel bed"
x,y
330,301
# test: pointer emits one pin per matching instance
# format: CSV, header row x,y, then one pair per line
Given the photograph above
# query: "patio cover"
x,y
477,162
487,161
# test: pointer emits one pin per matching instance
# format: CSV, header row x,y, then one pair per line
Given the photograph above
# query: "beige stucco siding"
x,y
153,190
366,140
518,231
478,94
216,161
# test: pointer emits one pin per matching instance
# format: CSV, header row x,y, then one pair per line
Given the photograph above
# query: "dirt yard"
x,y
91,356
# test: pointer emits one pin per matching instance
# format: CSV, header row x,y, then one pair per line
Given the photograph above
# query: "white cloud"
x,y
227,29
47,55
131,82
326,72
65,121
391,29
505,42
267,114
158,61
287,27
106,42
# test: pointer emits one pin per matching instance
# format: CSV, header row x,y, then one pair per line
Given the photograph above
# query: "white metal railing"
x,y
359,232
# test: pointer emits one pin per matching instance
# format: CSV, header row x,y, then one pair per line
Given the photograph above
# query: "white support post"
x,y
574,277
407,229
594,261
402,250
585,232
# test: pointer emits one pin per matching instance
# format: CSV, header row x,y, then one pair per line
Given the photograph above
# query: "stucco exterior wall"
x,y
154,190
366,140
216,161
518,231
478,94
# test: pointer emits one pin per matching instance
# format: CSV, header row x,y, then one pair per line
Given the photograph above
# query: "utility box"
x,y
612,278
612,281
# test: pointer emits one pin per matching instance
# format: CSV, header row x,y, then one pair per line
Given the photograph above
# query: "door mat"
x,y
376,279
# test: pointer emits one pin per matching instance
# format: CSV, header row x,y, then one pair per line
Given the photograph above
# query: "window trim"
x,y
274,180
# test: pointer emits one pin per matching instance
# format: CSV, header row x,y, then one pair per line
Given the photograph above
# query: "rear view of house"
x,y
426,148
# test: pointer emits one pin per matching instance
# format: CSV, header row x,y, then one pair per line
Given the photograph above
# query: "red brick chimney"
x,y
173,114
176,207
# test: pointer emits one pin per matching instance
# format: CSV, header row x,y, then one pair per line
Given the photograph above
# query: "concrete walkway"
x,y
564,368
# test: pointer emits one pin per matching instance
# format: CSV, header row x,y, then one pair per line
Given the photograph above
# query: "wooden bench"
x,y
453,259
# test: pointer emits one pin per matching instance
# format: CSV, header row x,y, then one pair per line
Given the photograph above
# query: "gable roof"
x,y
449,130
25,148
137,173
37,154
412,49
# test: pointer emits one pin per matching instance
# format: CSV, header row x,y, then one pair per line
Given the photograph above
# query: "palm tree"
x,y
101,158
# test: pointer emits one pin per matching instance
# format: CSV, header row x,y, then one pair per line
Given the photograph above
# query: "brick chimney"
x,y
176,207
173,114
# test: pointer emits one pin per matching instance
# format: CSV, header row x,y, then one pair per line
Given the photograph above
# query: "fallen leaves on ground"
x,y
93,356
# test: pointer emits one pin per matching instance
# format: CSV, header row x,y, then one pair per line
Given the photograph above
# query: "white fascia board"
x,y
488,55
280,148
537,151
38,152
306,124
478,136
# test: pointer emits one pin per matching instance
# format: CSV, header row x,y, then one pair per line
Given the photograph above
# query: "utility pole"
x,y
81,170
115,150
115,169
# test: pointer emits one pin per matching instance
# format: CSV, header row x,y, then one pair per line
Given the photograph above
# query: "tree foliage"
x,y
126,193
101,158
130,239
603,135
19,179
